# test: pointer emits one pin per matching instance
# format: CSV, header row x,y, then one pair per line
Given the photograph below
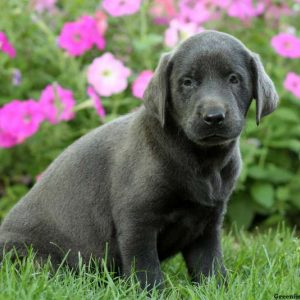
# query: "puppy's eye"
x,y
187,82
233,79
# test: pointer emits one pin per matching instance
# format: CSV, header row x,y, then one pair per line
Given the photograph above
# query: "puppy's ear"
x,y
155,96
264,91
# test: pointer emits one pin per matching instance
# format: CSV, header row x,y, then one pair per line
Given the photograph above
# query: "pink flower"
x,y
179,31
197,11
276,10
43,5
107,75
140,84
292,83
6,46
80,36
39,176
101,21
7,140
245,9
117,8
96,101
286,45
18,121
163,11
57,103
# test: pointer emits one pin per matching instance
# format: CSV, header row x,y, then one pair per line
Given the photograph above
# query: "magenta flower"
x,y
286,45
18,121
96,101
117,8
57,104
80,36
179,31
140,84
107,75
292,84
6,46
7,140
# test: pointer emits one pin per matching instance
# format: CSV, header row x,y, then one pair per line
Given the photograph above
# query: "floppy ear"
x,y
264,91
155,96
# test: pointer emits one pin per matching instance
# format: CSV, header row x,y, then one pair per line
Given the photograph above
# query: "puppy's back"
x,y
69,205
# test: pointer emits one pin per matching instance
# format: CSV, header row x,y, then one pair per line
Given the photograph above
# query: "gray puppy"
x,y
155,182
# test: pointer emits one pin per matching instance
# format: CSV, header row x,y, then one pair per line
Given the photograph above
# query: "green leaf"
x,y
287,114
270,173
263,193
283,193
257,172
291,144
240,210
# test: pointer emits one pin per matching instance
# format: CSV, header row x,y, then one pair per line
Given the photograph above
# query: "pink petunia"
x,y
163,11
101,21
140,84
292,84
6,46
277,10
117,8
96,101
245,9
57,104
107,75
199,12
18,121
80,36
39,176
179,31
286,45
41,6
7,140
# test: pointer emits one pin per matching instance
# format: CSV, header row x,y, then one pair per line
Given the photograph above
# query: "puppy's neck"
x,y
174,143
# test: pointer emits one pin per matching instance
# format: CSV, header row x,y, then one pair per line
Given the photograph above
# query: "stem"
x,y
143,19
85,104
263,156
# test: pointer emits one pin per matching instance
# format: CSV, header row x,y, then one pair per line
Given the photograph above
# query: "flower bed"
x,y
69,66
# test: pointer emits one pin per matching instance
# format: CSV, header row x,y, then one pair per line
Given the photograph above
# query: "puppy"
x,y
154,182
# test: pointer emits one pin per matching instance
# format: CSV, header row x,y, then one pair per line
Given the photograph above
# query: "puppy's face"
x,y
206,86
211,89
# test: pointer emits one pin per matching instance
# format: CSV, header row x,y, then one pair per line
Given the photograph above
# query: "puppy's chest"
x,y
207,187
182,225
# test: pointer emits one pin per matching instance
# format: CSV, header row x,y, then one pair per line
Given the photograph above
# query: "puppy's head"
x,y
206,86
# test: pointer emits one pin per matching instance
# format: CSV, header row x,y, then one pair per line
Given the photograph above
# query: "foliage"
x,y
269,187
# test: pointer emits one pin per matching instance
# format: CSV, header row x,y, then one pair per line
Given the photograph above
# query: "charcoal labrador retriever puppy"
x,y
156,181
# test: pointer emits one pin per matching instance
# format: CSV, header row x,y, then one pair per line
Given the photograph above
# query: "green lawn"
x,y
260,265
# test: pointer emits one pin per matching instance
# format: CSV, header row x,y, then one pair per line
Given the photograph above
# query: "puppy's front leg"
x,y
204,256
138,247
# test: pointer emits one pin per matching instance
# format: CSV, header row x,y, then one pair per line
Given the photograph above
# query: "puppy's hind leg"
x,y
18,248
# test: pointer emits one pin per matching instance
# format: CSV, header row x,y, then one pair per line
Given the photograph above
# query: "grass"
x,y
260,265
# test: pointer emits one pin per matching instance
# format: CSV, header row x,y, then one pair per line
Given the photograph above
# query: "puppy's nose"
x,y
214,117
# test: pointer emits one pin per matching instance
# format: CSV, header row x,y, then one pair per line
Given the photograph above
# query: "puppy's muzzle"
x,y
213,115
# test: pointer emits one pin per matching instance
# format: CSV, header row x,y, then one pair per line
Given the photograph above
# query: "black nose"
x,y
214,118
